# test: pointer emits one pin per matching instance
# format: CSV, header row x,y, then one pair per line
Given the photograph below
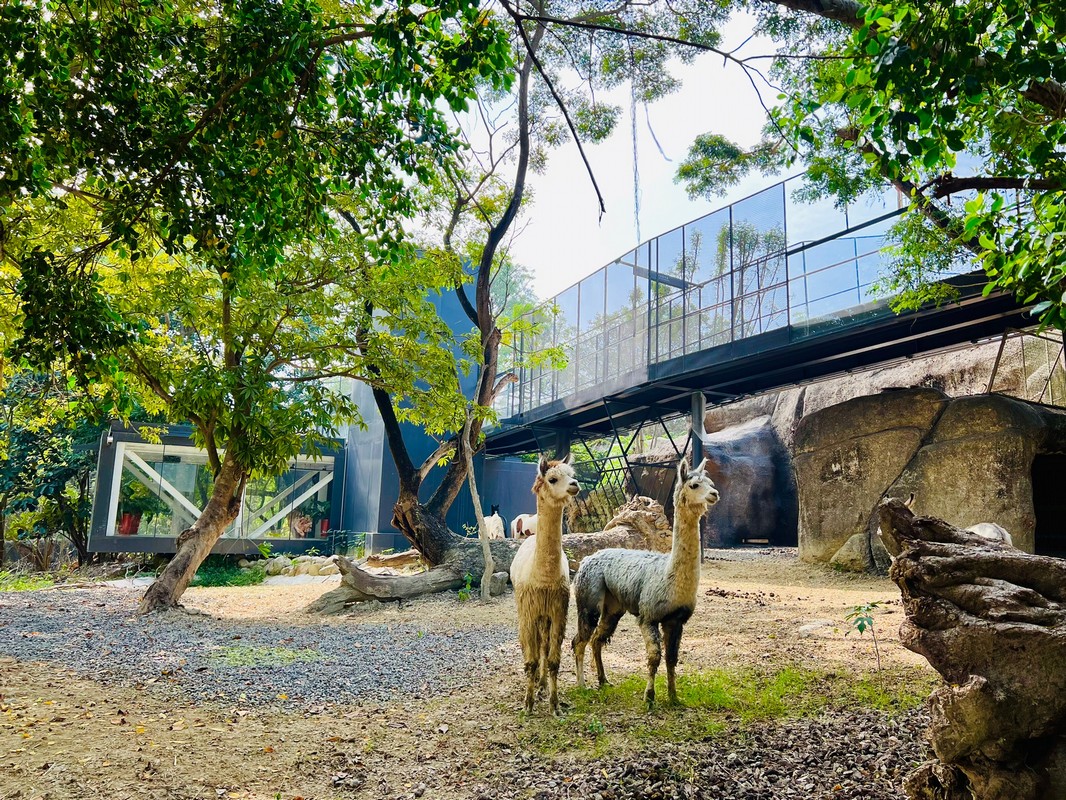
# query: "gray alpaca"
x,y
659,589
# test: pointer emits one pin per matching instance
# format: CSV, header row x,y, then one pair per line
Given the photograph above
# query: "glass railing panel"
x,y
566,320
592,300
809,220
838,281
716,325
670,254
707,246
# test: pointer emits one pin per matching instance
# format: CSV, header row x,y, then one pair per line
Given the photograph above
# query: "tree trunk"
x,y
992,621
407,558
488,564
639,525
195,543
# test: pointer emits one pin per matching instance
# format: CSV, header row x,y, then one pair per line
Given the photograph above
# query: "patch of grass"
x,y
712,702
24,582
251,656
219,572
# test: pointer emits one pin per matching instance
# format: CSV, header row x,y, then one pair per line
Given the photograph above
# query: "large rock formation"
x,y
966,459
847,456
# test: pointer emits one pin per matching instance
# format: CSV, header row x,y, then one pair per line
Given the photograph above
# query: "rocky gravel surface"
x,y
861,755
94,633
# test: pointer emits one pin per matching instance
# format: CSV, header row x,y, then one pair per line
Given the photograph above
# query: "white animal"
x,y
494,525
541,578
992,532
659,589
523,526
986,530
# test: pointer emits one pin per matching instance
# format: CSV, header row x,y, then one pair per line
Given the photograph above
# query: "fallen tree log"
x,y
992,621
639,524
407,558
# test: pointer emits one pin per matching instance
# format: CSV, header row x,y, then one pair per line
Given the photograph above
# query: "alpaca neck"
x,y
549,539
684,566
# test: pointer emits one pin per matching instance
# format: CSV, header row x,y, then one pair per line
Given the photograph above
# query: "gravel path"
x,y
94,633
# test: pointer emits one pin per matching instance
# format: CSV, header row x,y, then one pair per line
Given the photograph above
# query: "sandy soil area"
x,y
68,736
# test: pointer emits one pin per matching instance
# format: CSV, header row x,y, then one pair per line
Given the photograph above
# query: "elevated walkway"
x,y
766,293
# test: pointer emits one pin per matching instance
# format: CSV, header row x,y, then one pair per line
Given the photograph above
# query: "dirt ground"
x,y
64,736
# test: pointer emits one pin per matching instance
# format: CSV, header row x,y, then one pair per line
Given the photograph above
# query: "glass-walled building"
x,y
148,493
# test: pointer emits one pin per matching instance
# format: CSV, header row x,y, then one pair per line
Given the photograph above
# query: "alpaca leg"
x,y
527,637
612,612
588,618
556,635
545,639
560,606
579,661
653,647
672,635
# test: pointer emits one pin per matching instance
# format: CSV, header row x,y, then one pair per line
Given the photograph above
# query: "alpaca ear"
x,y
543,465
568,458
703,466
682,468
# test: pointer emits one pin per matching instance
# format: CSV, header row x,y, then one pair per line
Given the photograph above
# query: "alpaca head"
x,y
555,481
494,510
694,490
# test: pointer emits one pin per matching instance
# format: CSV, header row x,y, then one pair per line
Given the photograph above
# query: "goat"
x,y
992,532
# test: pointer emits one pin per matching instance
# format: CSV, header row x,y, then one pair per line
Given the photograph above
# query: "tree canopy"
x,y
172,181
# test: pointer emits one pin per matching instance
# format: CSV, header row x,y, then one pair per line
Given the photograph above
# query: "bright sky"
x,y
563,239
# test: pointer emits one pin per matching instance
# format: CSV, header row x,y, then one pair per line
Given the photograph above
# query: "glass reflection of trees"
x,y
722,277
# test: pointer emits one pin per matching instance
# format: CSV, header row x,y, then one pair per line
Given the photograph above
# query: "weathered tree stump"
x,y
992,621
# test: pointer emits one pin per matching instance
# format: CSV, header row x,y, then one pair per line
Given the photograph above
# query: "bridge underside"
x,y
772,360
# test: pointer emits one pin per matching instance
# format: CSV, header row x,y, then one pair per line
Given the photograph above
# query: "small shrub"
x,y
861,619
221,571
467,591
23,582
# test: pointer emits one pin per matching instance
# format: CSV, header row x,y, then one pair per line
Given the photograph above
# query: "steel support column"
x,y
698,423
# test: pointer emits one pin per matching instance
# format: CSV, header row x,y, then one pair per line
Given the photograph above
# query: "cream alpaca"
x,y
494,524
656,588
541,579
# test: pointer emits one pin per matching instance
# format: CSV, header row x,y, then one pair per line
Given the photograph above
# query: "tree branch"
x,y
949,184
435,456
518,17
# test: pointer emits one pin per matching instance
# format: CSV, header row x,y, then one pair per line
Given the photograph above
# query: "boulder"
x,y
274,566
847,455
854,556
498,583
968,460
977,466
